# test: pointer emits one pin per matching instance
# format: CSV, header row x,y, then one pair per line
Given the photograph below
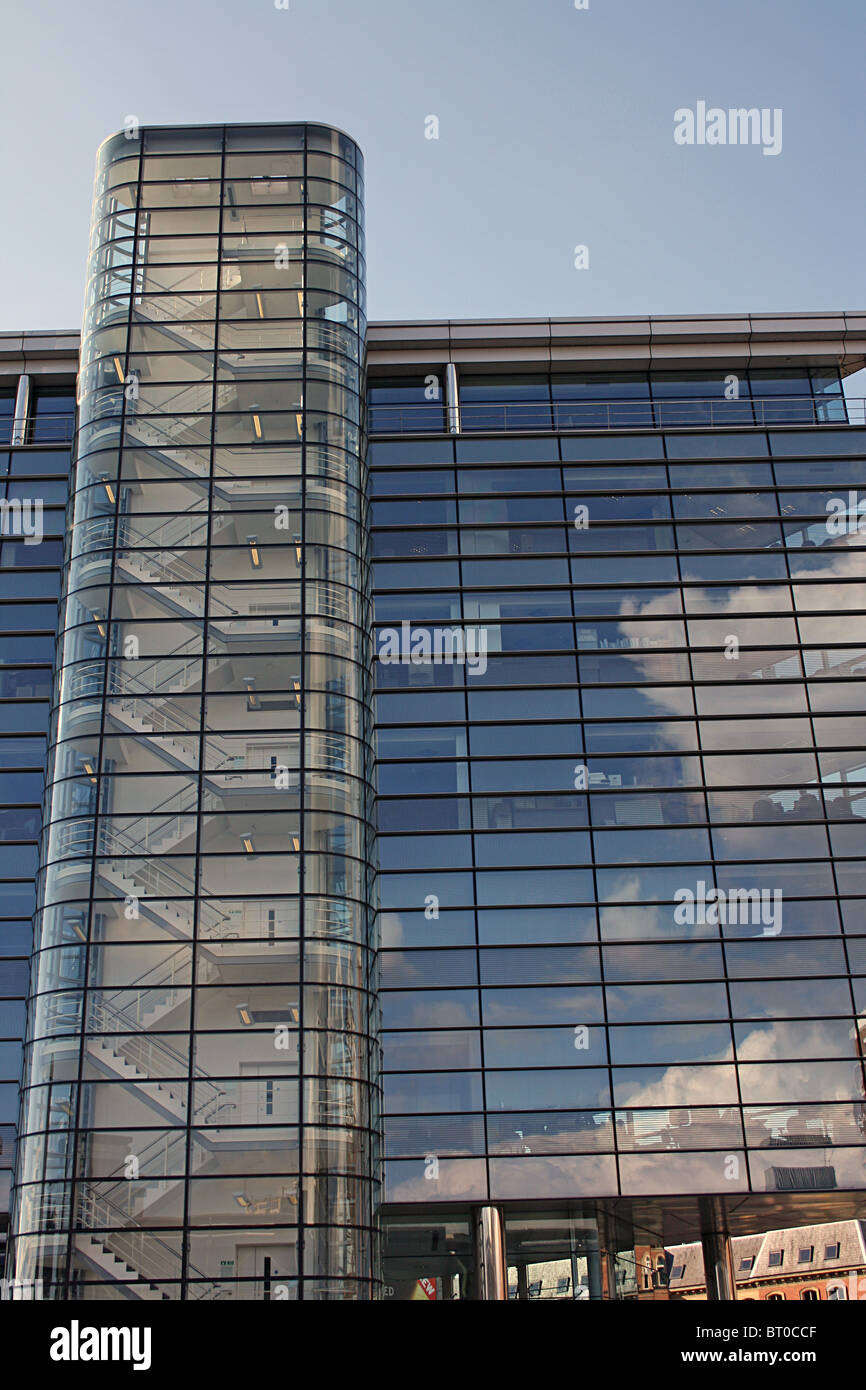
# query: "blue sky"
x,y
555,131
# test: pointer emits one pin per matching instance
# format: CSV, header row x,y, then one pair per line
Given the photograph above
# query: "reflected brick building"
x,y
809,1263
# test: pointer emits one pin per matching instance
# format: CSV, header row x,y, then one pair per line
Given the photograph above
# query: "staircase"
x,y
97,1255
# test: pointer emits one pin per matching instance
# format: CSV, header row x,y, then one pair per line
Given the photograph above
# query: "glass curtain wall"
x,y
622,865
30,478
631,400
200,1106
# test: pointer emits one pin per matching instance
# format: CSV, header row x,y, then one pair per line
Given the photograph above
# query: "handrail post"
x,y
452,398
21,418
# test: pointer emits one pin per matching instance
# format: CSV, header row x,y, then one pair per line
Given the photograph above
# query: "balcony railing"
x,y
35,429
496,417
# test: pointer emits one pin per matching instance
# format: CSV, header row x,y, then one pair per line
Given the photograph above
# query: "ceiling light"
x,y
259,304
255,557
296,844
244,1014
109,490
257,425
247,842
118,368
252,696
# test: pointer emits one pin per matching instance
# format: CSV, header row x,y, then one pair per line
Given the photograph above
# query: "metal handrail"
x,y
150,310
151,437
182,953
187,799
169,533
139,1050
109,402
161,880
170,671
706,412
162,721
177,573
694,412
165,571
149,1046
75,839
167,717
31,429
159,537
86,678
133,1239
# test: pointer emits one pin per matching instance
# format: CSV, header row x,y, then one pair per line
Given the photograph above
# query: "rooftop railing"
x,y
496,417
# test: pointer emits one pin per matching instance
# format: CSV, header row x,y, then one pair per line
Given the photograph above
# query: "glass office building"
x,y
546,868
638,820
37,409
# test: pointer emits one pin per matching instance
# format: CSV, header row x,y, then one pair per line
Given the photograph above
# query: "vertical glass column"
x,y
200,1109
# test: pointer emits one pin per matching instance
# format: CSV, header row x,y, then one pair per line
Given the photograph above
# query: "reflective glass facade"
x,y
200,1105
614,400
33,487
671,713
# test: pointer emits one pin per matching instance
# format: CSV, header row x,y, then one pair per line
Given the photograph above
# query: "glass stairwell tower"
x,y
200,1107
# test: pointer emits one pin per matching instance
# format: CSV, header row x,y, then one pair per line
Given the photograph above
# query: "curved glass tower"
x,y
200,1107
